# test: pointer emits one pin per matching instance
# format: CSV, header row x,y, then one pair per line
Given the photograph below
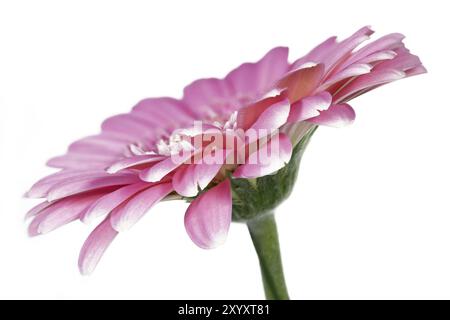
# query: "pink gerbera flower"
x,y
223,137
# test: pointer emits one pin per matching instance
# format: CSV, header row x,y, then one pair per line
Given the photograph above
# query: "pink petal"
x,y
248,115
67,174
317,54
205,173
184,181
163,168
367,81
75,186
126,216
133,161
302,82
277,160
94,151
251,80
345,47
99,143
273,117
37,209
208,217
378,56
80,161
401,62
309,107
197,129
61,213
337,115
130,125
385,43
166,111
352,71
188,180
95,246
109,202
416,71
210,96
41,188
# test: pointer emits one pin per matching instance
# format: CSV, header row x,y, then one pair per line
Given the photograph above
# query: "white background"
x,y
369,217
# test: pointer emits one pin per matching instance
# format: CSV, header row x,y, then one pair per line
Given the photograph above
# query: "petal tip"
x,y
148,176
208,218
95,246
111,169
120,225
85,270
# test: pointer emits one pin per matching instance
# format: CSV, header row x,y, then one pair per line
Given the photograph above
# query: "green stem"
x,y
263,230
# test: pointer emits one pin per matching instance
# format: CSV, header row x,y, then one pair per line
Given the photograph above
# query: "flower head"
x,y
244,126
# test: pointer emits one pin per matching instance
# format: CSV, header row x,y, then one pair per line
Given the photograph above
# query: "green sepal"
x,y
254,197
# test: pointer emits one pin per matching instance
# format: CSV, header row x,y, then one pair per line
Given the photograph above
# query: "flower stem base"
x,y
263,231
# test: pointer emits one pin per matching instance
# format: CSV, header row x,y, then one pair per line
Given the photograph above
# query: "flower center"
x,y
174,145
229,124
179,140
